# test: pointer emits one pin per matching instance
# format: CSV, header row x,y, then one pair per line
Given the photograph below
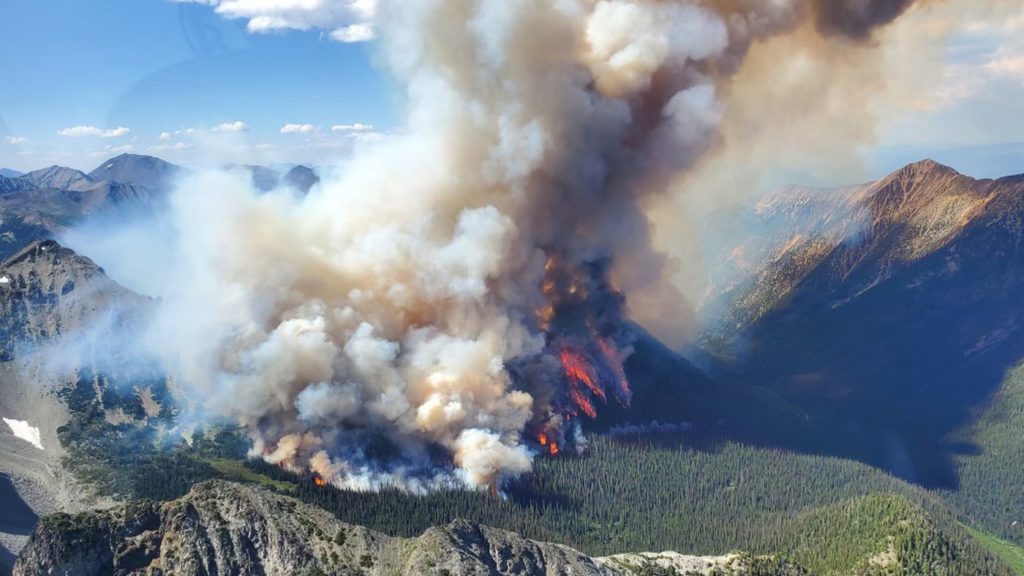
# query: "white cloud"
x,y
984,54
177,147
229,127
357,127
347,20
15,140
298,129
1009,66
354,33
165,136
79,131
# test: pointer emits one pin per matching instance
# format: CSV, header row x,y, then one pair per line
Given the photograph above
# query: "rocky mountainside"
x,y
895,319
227,528
47,293
8,173
47,290
58,177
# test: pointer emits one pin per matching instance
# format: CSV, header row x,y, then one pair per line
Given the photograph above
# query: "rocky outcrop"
x,y
226,528
47,290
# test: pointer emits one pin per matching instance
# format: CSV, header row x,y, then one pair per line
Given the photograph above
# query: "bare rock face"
x,y
47,290
466,548
226,528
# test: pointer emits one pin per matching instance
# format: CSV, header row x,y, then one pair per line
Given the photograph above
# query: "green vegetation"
x,y
1010,553
236,470
827,514
991,491
121,451
666,491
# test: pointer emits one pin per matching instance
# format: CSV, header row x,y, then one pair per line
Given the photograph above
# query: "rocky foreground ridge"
x,y
227,528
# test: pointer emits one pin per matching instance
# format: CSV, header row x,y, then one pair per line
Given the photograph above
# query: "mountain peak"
x,y
926,167
9,173
58,177
148,171
301,178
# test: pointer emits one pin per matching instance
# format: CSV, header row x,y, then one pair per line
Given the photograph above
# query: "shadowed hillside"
x,y
895,335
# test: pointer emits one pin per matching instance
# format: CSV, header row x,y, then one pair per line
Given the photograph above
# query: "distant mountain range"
x,y
8,173
44,202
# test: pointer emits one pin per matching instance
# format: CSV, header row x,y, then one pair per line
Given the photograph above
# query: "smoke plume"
x,y
857,18
454,300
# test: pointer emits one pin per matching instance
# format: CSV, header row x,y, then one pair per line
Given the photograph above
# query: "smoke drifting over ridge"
x,y
457,293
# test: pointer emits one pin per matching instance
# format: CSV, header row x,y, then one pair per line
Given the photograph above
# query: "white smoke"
x,y
365,332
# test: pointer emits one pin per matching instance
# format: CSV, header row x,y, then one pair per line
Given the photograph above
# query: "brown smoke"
x,y
460,289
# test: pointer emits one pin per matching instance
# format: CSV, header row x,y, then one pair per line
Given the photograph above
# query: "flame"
x,y
550,444
319,481
581,372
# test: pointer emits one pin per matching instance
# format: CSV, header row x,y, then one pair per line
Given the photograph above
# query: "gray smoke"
x,y
405,317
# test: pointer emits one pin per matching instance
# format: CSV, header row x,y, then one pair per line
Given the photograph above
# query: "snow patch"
x,y
25,431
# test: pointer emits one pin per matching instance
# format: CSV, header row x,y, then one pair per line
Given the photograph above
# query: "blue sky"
x,y
88,79
158,67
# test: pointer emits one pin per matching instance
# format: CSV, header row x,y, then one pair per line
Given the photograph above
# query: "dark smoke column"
x,y
857,19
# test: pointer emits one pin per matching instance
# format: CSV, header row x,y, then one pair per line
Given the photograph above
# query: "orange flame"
x,y
554,449
319,481
543,439
581,373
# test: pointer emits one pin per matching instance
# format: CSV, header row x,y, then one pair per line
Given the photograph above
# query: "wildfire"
x,y
583,320
550,444
319,481
580,372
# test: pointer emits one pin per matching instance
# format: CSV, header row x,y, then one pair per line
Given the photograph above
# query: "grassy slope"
x,y
238,472
1012,554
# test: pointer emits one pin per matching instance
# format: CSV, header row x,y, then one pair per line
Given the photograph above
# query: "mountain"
x,y
897,322
47,294
262,178
7,184
8,173
227,528
57,177
147,171
47,290
44,203
302,178
748,453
